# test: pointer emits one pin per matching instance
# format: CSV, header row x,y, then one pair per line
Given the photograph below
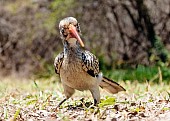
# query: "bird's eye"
x,y
62,30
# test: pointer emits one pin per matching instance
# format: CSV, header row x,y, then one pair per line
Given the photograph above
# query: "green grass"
x,y
142,74
158,73
37,99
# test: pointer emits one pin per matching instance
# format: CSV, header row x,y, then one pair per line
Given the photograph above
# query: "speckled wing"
x,y
58,62
90,63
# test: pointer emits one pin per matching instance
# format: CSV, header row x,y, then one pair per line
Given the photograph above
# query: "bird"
x,y
78,69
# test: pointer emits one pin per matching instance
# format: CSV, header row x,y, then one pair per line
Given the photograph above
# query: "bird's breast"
x,y
73,75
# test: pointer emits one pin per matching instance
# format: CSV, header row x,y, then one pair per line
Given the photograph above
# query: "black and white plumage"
x,y
58,62
78,68
90,64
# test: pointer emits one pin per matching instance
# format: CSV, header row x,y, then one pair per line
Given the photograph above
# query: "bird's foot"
x,y
58,106
95,102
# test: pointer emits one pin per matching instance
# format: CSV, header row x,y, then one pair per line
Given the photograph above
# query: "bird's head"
x,y
70,30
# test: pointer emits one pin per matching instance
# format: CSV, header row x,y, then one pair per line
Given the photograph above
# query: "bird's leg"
x,y
61,102
68,91
96,94
95,102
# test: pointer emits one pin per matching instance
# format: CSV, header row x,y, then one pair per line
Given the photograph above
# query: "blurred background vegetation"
x,y
131,38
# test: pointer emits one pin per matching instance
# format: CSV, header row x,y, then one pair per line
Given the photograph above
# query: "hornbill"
x,y
78,68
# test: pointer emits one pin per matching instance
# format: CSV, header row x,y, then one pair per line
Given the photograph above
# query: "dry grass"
x,y
36,100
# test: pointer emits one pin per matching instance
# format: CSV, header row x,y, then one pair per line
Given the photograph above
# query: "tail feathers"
x,y
110,86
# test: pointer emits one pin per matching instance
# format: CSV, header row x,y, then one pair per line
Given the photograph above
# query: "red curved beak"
x,y
73,30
